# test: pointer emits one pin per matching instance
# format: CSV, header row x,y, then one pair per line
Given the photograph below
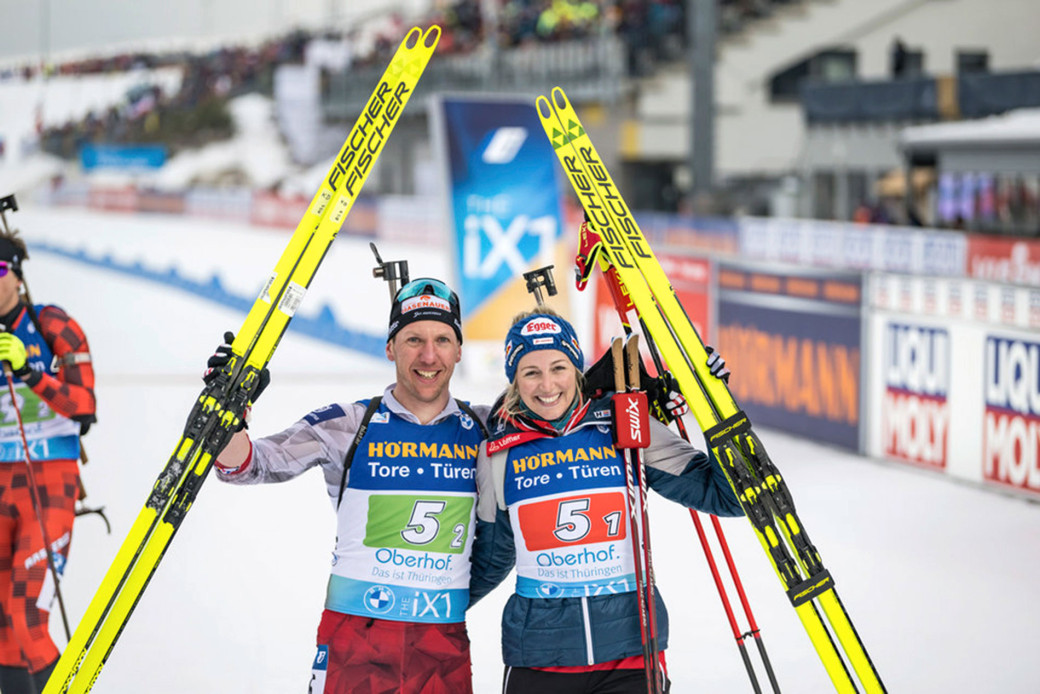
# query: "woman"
x,y
552,496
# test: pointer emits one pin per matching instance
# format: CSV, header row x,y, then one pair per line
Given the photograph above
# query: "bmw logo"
x,y
379,599
549,590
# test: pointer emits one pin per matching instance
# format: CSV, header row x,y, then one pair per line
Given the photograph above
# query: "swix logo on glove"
x,y
541,326
425,301
631,420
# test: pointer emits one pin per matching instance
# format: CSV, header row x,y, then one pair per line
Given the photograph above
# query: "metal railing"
x,y
978,94
909,99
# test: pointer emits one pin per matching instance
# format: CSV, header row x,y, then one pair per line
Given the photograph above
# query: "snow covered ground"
x,y
939,578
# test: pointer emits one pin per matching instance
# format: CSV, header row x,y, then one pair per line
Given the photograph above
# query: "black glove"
x,y
716,364
671,398
221,356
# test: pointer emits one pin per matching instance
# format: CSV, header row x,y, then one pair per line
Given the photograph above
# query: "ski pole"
x,y
81,508
754,631
590,250
633,363
626,369
753,626
725,601
35,495
624,401
99,511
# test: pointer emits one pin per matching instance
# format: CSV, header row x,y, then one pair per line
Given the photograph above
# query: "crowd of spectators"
x,y
189,117
521,22
658,26
653,30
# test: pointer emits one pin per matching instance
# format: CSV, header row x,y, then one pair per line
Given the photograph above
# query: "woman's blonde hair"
x,y
512,404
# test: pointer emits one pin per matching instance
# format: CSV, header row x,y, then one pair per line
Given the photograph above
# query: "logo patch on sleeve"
x,y
324,414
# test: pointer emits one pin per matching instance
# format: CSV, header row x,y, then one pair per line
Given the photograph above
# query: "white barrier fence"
x,y
953,378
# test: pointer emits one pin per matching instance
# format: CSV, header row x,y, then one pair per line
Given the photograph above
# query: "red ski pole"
x,y
589,249
34,493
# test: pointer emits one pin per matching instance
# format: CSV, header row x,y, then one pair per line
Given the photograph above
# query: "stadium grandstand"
x,y
811,97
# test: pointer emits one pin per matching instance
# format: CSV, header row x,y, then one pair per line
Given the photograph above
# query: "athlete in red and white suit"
x,y
54,386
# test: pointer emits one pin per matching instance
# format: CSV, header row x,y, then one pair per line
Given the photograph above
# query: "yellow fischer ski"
x,y
219,409
756,481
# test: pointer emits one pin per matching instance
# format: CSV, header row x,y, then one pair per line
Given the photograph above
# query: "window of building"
x,y
972,61
835,65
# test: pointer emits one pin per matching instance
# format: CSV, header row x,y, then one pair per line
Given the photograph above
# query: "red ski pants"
x,y
361,655
26,586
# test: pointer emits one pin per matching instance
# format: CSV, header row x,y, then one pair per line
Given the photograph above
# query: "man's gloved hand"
x,y
221,357
716,364
12,350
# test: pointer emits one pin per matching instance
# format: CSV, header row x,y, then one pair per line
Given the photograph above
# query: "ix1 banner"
x,y
504,207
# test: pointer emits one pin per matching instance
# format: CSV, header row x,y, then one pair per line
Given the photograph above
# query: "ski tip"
x,y
432,36
411,39
559,98
544,107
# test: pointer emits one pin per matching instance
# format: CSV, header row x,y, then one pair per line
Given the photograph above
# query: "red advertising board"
x,y
1003,259
271,210
162,203
691,280
113,199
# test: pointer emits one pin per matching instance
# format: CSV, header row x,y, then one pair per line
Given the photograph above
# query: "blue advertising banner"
x,y
504,203
793,340
122,156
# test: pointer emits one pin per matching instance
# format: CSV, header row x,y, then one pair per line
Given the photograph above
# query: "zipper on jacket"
x,y
588,629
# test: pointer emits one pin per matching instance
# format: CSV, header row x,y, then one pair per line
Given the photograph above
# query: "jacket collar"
x,y
10,320
518,429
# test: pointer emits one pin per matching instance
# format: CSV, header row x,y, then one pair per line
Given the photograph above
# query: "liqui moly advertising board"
x,y
1011,422
915,413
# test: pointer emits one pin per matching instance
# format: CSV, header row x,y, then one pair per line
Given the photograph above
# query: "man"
x,y
54,385
400,472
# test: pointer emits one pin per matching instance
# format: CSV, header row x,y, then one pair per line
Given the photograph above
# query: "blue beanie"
x,y
541,331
